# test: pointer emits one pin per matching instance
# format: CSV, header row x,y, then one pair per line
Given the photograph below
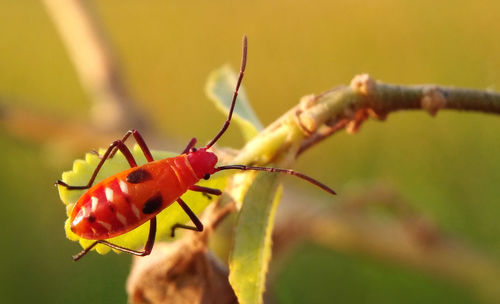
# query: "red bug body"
x,y
130,198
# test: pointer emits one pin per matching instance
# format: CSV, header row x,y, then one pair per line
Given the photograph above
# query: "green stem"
x,y
381,99
320,116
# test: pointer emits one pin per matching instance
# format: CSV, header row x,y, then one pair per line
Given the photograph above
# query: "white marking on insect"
x,y
109,194
79,217
84,211
123,186
105,225
188,164
94,201
177,174
121,218
136,211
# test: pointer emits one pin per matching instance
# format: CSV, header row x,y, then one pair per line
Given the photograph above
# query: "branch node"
x,y
363,84
306,123
307,101
377,114
432,100
359,117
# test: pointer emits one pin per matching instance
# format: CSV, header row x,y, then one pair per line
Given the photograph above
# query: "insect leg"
x,y
205,190
146,251
191,144
116,144
140,141
198,226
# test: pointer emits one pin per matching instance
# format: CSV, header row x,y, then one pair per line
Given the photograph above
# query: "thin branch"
x,y
96,66
320,116
406,243
349,106
403,236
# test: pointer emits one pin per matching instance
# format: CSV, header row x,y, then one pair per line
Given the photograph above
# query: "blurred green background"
x,y
447,168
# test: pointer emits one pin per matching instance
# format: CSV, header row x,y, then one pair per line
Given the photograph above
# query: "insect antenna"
x,y
279,170
233,102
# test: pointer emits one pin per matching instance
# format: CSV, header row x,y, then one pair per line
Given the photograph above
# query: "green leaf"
x,y
220,88
135,239
251,253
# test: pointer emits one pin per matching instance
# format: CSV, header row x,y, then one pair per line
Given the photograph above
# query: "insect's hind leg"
x,y
146,251
140,141
198,226
116,144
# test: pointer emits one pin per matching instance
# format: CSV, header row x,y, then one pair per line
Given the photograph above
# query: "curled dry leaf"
x,y
184,271
179,272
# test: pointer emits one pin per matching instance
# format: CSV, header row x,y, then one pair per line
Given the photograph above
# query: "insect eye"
x,y
193,149
206,176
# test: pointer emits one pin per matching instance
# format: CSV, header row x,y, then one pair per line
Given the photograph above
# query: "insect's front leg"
x,y
140,141
190,145
198,226
118,144
205,190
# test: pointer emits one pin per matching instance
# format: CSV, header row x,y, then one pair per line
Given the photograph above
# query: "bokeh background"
x,y
446,168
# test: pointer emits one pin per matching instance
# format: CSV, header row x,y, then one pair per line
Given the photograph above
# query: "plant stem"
x,y
96,66
319,116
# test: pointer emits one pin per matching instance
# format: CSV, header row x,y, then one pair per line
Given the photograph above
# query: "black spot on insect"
x,y
193,149
138,176
111,207
91,218
153,204
206,176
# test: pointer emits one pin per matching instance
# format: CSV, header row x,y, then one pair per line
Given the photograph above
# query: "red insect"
x,y
126,200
